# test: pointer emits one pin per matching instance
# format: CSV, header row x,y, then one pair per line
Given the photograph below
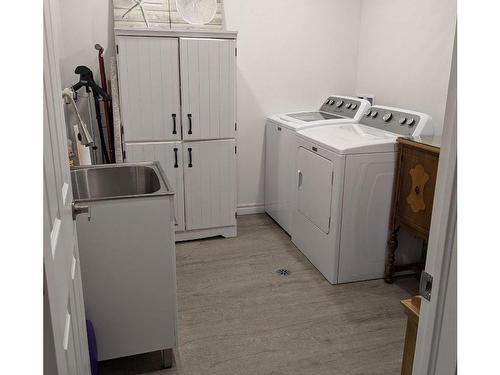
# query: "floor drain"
x,y
283,272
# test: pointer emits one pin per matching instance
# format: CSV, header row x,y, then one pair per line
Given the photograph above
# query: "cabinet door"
x,y
208,79
148,69
210,183
169,154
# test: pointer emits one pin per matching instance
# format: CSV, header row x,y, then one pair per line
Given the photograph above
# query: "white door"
x,y
314,187
65,336
148,72
169,154
210,183
436,347
208,80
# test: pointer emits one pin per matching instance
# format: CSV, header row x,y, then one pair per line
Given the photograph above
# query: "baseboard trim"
x,y
251,208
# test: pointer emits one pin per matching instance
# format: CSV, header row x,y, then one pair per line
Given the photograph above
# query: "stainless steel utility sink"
x,y
117,181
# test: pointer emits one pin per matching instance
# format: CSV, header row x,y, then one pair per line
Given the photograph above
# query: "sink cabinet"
x,y
127,255
178,92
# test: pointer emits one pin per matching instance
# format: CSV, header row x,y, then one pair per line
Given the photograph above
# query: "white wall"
x,y
405,50
291,55
84,24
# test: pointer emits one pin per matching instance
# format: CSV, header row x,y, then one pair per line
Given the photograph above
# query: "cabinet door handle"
x,y
174,122
190,165
176,164
190,130
299,182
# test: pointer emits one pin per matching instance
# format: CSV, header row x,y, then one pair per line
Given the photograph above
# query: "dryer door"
x,y
314,185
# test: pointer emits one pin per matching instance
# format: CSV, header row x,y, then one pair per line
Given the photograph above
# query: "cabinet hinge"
x,y
124,155
117,50
425,285
235,149
121,130
235,127
332,178
236,51
235,215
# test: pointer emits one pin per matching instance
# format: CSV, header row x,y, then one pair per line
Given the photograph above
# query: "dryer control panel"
x,y
398,121
343,106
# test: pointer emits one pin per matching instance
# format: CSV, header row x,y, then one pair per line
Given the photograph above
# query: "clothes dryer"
x,y
343,189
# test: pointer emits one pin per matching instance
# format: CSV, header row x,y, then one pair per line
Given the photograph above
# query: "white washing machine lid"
x,y
351,138
307,119
335,110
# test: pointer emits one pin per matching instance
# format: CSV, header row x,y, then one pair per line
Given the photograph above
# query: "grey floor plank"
x,y
238,317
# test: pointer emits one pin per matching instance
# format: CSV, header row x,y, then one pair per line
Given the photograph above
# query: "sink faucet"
x,y
86,138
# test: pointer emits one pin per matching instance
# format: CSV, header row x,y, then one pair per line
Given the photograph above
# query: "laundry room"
x,y
249,187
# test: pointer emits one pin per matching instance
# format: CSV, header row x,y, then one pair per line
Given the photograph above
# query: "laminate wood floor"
x,y
238,317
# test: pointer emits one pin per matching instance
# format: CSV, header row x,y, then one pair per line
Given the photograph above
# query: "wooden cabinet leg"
x,y
391,256
167,358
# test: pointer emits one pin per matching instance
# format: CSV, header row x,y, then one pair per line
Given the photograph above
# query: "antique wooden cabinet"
x,y
413,195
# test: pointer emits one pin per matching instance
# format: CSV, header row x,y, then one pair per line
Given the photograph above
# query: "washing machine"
x,y
280,149
343,191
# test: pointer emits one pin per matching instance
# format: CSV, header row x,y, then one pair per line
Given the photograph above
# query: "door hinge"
x,y
117,50
425,289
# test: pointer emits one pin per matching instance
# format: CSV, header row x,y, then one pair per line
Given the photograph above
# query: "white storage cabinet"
x,y
129,287
178,105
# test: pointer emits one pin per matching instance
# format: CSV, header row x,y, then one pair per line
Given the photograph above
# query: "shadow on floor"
x,y
136,364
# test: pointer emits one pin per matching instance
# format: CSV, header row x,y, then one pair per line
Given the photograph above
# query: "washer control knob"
x,y
410,122
332,102
374,114
339,103
387,117
402,121
354,106
348,105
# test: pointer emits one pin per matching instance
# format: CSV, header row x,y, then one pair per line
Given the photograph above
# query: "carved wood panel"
x,y
418,171
418,180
